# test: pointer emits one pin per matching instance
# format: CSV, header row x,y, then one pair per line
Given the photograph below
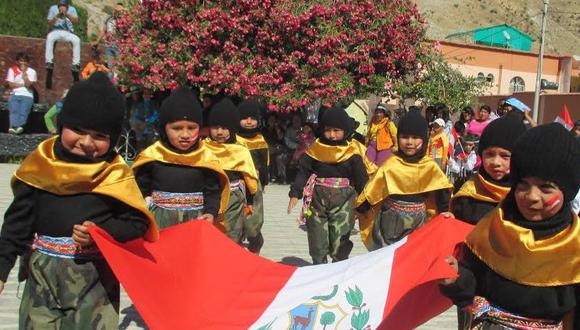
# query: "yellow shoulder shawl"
x,y
235,157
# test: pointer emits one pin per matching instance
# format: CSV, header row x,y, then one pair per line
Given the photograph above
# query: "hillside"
x,y
449,16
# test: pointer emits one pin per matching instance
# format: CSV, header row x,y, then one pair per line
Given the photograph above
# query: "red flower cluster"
x,y
289,53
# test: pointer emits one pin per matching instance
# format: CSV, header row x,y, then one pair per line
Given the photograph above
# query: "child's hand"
x,y
207,217
292,204
249,210
81,234
455,265
447,215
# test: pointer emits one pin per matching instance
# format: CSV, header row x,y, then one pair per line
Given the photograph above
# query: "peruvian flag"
x,y
564,118
194,277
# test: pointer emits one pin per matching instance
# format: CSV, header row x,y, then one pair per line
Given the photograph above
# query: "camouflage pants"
x,y
167,217
69,294
254,222
330,223
235,216
393,223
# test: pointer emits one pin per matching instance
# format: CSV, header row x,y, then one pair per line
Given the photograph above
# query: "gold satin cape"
x,y
42,170
201,157
337,154
397,177
255,143
235,157
482,190
512,252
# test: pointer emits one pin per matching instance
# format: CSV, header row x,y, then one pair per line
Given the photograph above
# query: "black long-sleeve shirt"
x,y
35,211
471,210
158,176
353,169
260,159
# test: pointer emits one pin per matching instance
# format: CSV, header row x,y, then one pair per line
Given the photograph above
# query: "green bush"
x,y
27,18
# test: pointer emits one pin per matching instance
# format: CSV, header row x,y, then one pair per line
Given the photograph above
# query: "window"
x,y
517,84
490,78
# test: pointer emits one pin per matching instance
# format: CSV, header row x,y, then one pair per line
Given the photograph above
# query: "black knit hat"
x,y
338,118
182,104
413,123
94,104
549,152
249,108
502,132
225,114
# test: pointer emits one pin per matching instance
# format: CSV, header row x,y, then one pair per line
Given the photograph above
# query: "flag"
x,y
194,277
564,118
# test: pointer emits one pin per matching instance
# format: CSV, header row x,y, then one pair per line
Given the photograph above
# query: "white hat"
x,y
439,122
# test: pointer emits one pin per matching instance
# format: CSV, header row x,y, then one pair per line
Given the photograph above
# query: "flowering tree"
x,y
289,53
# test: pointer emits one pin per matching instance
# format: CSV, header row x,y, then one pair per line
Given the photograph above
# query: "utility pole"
x,y
540,62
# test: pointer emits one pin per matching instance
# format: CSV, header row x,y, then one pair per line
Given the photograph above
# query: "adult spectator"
x,y
274,135
107,34
291,134
61,18
20,79
466,115
476,126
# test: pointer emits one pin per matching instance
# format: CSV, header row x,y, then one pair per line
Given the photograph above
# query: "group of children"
x,y
519,266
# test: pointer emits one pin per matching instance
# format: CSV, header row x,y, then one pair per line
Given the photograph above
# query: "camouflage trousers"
x,y
329,222
167,217
69,294
396,220
235,216
254,222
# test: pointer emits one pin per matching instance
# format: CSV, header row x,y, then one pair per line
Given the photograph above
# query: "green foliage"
x,y
327,318
27,18
354,297
359,320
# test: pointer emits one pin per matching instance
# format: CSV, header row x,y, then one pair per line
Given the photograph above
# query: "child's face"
x,y
182,134
538,199
249,123
496,162
379,115
85,142
219,134
410,144
468,147
333,133
436,129
306,129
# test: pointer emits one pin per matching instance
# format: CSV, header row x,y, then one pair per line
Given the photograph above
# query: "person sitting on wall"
x,y
61,18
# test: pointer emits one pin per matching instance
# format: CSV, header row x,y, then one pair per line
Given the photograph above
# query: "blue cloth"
x,y
517,104
19,108
62,23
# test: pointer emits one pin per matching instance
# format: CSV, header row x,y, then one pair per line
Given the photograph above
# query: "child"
x,y
519,268
182,177
382,136
331,173
236,161
305,139
49,116
402,188
250,137
438,148
484,190
70,182
465,162
94,65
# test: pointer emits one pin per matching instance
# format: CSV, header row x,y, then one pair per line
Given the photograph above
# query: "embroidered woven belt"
x,y
333,182
308,191
405,207
178,201
64,247
483,310
238,184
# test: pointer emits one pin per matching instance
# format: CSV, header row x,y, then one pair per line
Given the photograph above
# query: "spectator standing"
x,y
305,139
291,134
61,18
438,148
94,65
50,115
21,79
107,34
381,137
274,135
476,126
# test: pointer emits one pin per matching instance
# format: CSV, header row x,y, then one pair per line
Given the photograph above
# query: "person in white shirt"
x,y
61,18
20,79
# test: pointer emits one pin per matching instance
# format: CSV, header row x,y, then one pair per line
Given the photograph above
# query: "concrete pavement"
x,y
284,242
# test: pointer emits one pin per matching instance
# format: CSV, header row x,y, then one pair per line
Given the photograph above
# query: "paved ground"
x,y
284,242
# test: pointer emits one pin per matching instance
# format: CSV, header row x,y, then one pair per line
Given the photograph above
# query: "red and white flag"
x,y
564,118
196,278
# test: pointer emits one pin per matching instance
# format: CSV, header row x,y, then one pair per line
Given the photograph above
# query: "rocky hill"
x,y
448,16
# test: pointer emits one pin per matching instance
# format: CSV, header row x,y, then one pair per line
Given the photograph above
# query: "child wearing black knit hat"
x,y
236,160
180,175
249,136
395,201
69,183
484,190
331,172
519,266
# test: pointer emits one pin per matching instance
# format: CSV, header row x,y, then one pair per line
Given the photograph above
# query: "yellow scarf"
x,y
200,157
480,189
255,143
42,170
514,253
361,150
235,157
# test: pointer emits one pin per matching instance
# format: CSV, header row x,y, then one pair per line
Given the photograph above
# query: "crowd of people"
x,y
211,157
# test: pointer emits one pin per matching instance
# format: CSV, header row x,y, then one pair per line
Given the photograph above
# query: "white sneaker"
x,y
18,130
11,130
